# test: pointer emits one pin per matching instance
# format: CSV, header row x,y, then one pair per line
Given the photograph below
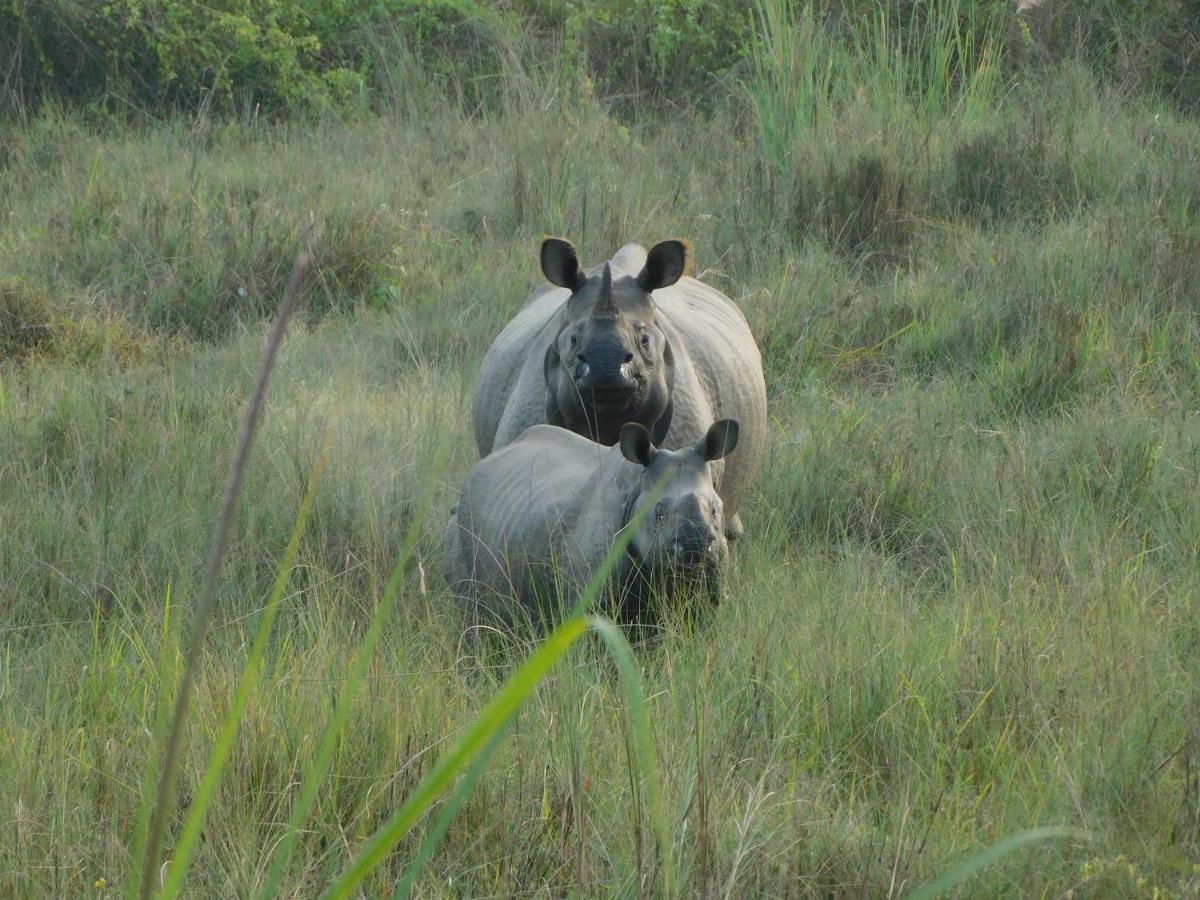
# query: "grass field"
x,y
966,602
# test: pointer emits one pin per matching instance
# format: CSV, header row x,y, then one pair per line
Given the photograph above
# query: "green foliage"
x,y
1148,47
233,55
243,56
250,57
966,603
654,50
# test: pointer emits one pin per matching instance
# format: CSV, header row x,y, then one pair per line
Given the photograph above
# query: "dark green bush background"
x,y
273,56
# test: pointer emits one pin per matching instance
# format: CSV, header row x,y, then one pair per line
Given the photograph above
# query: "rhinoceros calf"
x,y
537,517
635,339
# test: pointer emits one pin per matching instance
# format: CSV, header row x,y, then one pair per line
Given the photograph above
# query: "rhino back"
x,y
718,375
537,505
629,260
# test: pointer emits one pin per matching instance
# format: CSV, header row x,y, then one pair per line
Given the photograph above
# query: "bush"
x,y
25,323
244,56
30,328
1150,46
656,49
234,55
861,210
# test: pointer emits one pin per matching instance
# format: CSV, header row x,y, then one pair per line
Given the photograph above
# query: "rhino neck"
x,y
649,405
624,485
632,493
632,581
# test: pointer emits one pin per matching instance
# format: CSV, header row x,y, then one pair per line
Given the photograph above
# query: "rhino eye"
x,y
574,340
660,513
646,341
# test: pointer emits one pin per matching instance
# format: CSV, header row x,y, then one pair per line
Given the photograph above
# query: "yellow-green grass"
x,y
965,605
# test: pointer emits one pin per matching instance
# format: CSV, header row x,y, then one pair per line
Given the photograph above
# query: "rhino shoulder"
x,y
512,368
545,297
695,295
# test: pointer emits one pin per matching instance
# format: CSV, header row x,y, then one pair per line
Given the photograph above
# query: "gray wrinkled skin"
x,y
684,348
537,517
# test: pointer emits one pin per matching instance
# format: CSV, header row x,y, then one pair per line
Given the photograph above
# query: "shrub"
x,y
1015,173
235,55
31,328
243,56
25,323
1148,46
862,209
656,49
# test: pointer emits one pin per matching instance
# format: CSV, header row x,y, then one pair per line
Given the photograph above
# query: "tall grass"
x,y
471,753
942,63
964,611
794,69
206,599
246,686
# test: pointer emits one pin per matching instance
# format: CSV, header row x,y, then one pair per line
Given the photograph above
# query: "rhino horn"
x,y
606,302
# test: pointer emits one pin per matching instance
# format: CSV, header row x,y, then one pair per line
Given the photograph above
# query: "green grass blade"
x,y
449,811
988,856
207,598
494,718
246,685
166,683
631,677
325,752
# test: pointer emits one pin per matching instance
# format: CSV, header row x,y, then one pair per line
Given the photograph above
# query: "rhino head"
x,y
684,533
611,363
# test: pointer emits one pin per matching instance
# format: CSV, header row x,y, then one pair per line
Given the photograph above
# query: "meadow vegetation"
x,y
968,244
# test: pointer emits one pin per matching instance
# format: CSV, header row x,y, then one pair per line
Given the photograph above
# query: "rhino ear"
x,y
550,366
666,263
560,263
720,441
636,445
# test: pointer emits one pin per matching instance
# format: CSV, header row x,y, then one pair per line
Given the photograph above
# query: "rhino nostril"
x,y
628,357
581,357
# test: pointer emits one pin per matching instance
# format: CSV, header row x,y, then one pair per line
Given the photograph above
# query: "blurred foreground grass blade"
x,y
317,771
619,647
491,722
989,855
166,683
449,811
246,686
494,719
208,588
631,677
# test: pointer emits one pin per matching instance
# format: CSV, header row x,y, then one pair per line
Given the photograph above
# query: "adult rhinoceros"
x,y
635,339
536,519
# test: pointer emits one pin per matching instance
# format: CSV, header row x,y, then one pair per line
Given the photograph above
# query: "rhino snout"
x,y
707,549
716,549
605,374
